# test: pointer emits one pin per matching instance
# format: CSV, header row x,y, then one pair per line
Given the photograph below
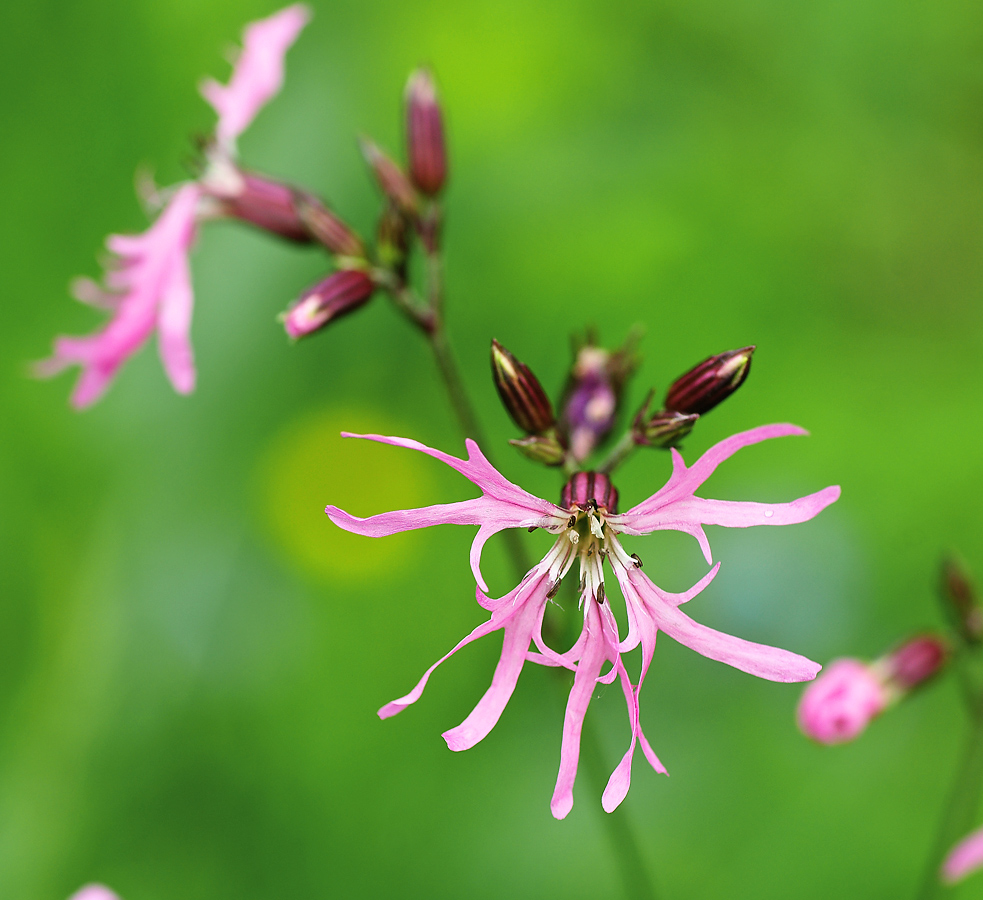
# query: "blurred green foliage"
x,y
191,656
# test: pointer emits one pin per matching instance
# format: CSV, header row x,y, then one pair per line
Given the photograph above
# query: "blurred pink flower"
x,y
148,280
963,859
587,525
837,706
94,892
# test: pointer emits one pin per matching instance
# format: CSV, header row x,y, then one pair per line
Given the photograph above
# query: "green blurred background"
x,y
191,655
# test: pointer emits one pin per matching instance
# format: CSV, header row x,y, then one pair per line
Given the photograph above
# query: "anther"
x,y
571,521
638,562
532,528
600,593
552,592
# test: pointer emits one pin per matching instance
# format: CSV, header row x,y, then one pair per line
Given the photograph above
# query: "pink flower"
x,y
258,73
94,892
839,704
587,528
148,282
963,859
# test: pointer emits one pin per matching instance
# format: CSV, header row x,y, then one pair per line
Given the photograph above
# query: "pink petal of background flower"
x,y
963,859
150,281
94,892
839,704
258,72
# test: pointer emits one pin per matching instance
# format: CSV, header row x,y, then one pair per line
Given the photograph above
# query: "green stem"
x,y
619,453
960,809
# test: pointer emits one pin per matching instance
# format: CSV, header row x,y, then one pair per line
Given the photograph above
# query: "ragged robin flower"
x,y
588,531
148,282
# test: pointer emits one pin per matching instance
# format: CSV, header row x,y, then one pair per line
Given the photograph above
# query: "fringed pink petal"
x,y
963,859
258,73
174,327
573,720
518,632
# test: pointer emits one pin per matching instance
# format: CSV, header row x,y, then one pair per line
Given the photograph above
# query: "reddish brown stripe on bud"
x,y
336,296
522,394
585,488
709,383
265,203
391,178
326,228
425,134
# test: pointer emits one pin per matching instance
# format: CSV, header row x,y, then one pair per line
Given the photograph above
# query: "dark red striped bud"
x,y
326,228
545,449
585,487
915,661
391,178
260,201
425,134
339,294
709,383
961,600
521,392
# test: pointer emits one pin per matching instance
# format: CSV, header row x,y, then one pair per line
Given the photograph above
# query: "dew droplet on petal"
x,y
769,513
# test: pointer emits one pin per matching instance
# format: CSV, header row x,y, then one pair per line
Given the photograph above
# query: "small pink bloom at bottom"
x,y
94,892
840,703
963,859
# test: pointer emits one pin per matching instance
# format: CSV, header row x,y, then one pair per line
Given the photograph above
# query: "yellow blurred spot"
x,y
308,464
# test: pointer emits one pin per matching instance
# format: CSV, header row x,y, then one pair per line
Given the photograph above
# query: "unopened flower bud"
x,y
913,663
709,383
662,429
521,392
339,294
840,703
391,178
542,448
326,228
260,201
425,134
961,600
585,488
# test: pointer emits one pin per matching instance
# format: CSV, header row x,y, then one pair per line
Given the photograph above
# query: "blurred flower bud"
x,y
710,383
521,392
837,706
339,294
260,201
391,178
913,663
593,393
585,488
662,429
425,134
542,448
961,600
94,892
325,227
963,859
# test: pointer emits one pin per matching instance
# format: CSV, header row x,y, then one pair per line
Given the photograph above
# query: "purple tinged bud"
x,y
522,394
545,449
260,201
710,383
914,662
425,134
392,239
391,178
326,228
339,294
961,600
